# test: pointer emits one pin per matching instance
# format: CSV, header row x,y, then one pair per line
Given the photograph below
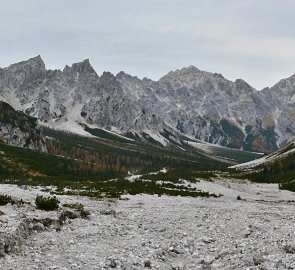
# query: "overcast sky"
x,y
249,39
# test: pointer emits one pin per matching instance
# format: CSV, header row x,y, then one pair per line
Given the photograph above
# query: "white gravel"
x,y
164,232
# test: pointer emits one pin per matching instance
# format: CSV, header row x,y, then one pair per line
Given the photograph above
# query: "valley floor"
x,y
256,232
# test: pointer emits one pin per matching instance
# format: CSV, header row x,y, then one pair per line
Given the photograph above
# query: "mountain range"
x,y
184,104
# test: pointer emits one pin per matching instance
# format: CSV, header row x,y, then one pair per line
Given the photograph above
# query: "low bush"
x,y
4,199
49,203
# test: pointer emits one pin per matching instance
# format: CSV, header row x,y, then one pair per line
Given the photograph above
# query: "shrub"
x,y
4,199
49,203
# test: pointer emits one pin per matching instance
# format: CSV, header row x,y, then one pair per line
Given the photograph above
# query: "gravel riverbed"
x,y
151,232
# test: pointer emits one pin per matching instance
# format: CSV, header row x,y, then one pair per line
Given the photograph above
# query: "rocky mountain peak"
x,y
190,68
187,72
108,81
106,75
81,71
81,67
125,76
282,93
32,64
17,74
286,83
242,85
122,74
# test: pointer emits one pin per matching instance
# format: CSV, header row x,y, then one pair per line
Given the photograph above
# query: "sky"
x,y
249,39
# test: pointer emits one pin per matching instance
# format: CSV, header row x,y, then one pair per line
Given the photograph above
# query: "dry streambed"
x,y
150,232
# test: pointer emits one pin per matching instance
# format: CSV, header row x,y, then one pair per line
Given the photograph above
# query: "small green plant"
x,y
49,203
4,199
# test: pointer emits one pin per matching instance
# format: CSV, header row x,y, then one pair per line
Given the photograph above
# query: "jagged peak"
x,y
218,75
36,61
190,70
284,82
108,81
37,58
145,79
123,74
80,67
243,85
107,75
84,63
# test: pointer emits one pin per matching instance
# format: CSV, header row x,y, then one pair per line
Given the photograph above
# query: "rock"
x,y
2,249
108,212
147,263
47,222
248,232
207,261
18,134
289,249
66,214
85,214
258,259
208,240
70,214
39,227
279,264
176,266
112,263
178,250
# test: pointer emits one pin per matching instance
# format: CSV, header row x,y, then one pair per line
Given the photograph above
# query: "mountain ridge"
x,y
199,104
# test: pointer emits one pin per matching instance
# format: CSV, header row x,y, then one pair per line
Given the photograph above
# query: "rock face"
x,y
64,99
200,104
211,108
16,128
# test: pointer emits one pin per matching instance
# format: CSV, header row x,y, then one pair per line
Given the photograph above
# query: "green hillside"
x,y
277,167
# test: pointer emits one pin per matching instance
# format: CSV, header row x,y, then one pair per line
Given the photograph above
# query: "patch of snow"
x,y
157,137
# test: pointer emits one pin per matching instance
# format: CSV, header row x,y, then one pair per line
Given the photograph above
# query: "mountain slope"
x,y
16,128
209,107
286,151
282,95
277,167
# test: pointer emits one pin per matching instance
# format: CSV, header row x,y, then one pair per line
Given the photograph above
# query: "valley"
x,y
143,174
